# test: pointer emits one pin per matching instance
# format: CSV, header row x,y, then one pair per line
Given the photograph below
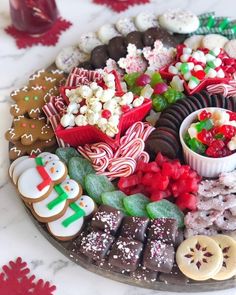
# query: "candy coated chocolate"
x,y
96,244
125,254
99,56
134,227
158,256
117,48
163,229
107,219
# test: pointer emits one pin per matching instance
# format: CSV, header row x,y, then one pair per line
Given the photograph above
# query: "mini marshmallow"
x,y
209,57
81,120
127,98
184,57
86,91
178,65
138,101
187,76
220,74
173,70
68,120
211,73
190,66
198,68
215,51
187,50
217,62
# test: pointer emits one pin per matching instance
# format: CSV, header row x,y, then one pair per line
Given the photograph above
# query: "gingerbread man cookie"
x,y
47,79
36,183
28,101
29,131
18,149
56,204
71,223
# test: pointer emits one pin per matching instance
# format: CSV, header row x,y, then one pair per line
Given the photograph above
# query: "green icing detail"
x,y
62,196
36,98
27,98
79,212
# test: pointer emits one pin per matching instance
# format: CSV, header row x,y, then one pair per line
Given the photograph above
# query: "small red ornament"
x,y
16,280
120,5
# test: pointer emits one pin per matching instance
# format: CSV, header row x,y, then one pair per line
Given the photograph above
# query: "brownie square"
x,y
134,227
125,254
144,274
107,219
163,229
158,256
96,244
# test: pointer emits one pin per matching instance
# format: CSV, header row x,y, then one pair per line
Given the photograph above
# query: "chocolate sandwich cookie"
x,y
196,102
201,99
230,103
180,109
172,118
164,122
188,104
135,38
169,131
117,48
206,95
173,112
222,100
153,34
164,146
99,56
214,101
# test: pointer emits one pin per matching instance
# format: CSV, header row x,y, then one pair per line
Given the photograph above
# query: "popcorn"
x,y
85,91
83,109
114,120
138,101
96,106
102,122
99,92
92,117
107,95
94,86
68,120
81,120
73,108
110,105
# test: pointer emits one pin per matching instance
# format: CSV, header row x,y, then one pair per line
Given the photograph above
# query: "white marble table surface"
x,y
18,235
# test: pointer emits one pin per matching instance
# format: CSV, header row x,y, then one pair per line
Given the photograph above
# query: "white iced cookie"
x,y
36,183
29,162
71,223
107,32
194,42
125,26
15,163
145,20
230,48
179,21
88,42
212,41
70,57
55,205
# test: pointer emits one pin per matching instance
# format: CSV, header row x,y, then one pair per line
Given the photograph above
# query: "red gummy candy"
x,y
199,74
160,182
232,116
228,131
160,159
151,167
204,115
159,195
143,80
187,201
147,179
205,137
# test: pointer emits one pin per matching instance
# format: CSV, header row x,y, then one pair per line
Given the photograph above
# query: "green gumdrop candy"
x,y
165,209
66,153
159,103
78,168
130,79
136,90
156,78
135,205
196,146
114,199
96,185
205,124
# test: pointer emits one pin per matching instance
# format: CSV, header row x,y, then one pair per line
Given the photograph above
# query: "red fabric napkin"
x,y
120,5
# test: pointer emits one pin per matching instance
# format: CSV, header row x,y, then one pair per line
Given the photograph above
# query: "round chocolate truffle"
x,y
117,48
135,38
99,56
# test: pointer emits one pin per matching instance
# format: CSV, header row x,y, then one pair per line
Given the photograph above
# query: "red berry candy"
x,y
125,108
106,114
160,88
228,131
232,116
229,61
143,80
204,115
205,137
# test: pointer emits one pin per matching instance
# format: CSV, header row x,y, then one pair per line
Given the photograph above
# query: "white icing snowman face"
x,y
56,169
87,204
71,188
48,157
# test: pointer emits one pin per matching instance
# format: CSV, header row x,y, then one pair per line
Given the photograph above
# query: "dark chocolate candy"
x,y
96,244
163,229
125,254
135,38
107,219
144,274
86,65
99,56
117,48
158,256
153,34
134,227
179,237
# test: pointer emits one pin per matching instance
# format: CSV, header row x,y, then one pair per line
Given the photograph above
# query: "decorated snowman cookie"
x,y
56,204
36,183
15,163
30,162
71,223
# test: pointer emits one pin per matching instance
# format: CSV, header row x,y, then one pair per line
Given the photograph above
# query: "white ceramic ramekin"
x,y
204,166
